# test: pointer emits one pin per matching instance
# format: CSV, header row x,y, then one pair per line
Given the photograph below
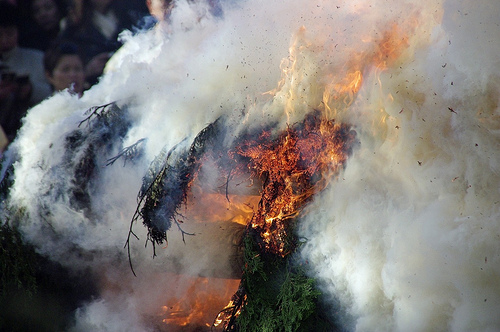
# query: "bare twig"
x,y
183,232
128,152
94,112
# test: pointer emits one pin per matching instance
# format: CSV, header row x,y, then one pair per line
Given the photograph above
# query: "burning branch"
x,y
293,168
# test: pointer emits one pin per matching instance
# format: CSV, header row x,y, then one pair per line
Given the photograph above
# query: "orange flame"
x,y
293,168
298,163
340,93
198,307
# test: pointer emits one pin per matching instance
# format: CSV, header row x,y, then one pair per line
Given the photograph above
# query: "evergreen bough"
x,y
279,295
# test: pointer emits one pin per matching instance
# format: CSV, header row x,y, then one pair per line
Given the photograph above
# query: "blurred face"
x,y
68,73
45,13
8,38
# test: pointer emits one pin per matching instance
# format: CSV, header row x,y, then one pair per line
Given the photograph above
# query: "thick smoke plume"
x,y
405,238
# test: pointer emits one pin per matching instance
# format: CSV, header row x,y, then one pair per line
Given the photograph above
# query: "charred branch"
x,y
128,153
101,111
167,183
84,148
293,167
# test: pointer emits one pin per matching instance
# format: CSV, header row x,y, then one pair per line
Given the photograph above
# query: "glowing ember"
x,y
225,318
293,167
198,307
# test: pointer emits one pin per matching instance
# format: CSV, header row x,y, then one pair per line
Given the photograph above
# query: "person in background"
x,y
158,14
42,24
64,68
22,82
94,26
158,20
160,9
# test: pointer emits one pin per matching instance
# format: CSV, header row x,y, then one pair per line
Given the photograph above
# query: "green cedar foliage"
x,y
16,261
279,295
17,275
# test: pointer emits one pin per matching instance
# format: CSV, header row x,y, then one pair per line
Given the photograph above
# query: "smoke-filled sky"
x,y
405,238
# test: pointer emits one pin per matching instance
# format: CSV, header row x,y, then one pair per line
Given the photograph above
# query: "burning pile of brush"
x,y
368,172
289,168
286,168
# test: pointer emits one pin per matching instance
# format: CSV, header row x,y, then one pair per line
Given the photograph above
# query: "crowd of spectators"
x,y
52,45
47,46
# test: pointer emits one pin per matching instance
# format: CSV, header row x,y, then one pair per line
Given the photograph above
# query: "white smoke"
x,y
405,239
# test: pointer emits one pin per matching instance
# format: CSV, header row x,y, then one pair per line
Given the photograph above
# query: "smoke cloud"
x,y
405,238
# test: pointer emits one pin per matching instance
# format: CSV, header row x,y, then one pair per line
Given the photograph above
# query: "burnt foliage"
x,y
166,185
84,148
293,167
